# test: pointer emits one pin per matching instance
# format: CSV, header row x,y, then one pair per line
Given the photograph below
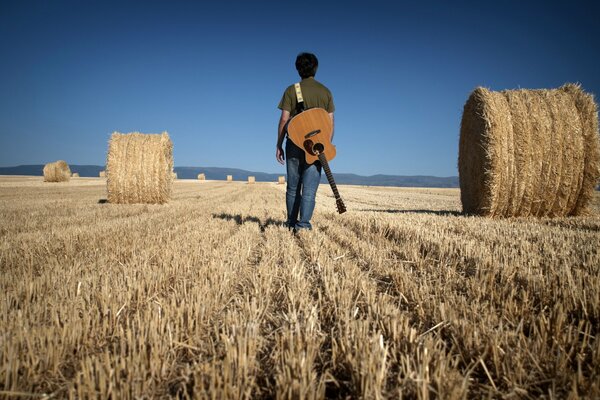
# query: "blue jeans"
x,y
302,184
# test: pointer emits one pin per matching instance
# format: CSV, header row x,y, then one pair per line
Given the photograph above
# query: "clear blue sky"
x,y
211,74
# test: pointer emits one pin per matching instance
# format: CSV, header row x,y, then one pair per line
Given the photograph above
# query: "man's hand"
x,y
332,126
280,156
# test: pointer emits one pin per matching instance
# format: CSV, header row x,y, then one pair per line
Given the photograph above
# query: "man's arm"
x,y
332,125
285,116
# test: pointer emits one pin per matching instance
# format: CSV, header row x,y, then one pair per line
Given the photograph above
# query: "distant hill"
x,y
214,173
37,170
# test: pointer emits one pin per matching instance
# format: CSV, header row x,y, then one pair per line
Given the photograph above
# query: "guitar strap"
x,y
299,103
299,98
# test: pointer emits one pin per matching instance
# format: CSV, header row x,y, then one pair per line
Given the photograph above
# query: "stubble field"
x,y
210,296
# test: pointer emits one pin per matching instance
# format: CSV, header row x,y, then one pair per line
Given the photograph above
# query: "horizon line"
x,y
248,170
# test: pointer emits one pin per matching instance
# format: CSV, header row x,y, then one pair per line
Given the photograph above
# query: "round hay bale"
x,y
251,179
102,174
281,180
529,152
201,177
139,168
589,152
57,171
229,178
75,175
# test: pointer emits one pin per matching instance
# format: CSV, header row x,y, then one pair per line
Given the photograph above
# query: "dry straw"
x,y
174,175
201,177
251,179
57,171
281,180
75,175
229,178
529,152
139,168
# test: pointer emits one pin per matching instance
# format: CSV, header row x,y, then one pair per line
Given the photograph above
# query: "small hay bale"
x,y
229,178
281,180
75,175
102,174
139,168
251,179
57,171
201,177
529,152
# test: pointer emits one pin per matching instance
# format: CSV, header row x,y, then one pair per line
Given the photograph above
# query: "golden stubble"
x,y
210,296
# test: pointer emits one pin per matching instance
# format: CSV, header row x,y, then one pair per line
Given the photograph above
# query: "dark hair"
x,y
306,64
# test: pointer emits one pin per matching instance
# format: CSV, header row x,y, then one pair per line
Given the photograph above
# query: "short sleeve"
x,y
286,101
330,106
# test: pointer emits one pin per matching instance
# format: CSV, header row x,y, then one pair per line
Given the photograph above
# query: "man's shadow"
x,y
444,213
240,220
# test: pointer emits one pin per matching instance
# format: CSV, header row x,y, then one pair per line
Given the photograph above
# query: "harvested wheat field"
x,y
210,296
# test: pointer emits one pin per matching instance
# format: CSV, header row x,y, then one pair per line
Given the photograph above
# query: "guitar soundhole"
x,y
308,147
318,147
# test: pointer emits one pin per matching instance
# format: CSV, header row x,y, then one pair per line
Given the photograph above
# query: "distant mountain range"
x,y
240,174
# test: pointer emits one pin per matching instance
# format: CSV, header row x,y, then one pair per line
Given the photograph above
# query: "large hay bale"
x,y
281,180
57,171
229,178
251,179
102,174
201,177
529,152
139,168
75,175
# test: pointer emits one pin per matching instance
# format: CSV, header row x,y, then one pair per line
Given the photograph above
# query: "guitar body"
x,y
311,131
316,124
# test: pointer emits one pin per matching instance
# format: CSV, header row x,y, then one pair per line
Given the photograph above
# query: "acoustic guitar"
x,y
311,131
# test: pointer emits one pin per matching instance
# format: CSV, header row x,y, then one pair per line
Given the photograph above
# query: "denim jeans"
x,y
302,184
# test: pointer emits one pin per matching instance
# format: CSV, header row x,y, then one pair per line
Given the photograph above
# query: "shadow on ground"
x,y
242,219
435,212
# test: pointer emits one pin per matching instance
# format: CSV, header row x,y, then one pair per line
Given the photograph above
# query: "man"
x,y
302,178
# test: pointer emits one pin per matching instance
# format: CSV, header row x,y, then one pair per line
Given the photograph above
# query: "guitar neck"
x,y
329,175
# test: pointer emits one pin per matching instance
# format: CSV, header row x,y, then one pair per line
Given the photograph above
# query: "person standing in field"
x,y
302,178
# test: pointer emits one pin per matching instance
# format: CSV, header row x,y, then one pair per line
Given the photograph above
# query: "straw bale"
x,y
587,110
529,152
201,177
251,179
229,178
57,171
74,175
139,168
281,180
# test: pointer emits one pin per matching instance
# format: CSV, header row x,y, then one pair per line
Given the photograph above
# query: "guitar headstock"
x,y
340,206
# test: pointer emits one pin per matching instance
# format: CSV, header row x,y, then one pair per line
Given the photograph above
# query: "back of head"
x,y
306,64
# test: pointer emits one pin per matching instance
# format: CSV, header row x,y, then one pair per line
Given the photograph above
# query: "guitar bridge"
x,y
311,134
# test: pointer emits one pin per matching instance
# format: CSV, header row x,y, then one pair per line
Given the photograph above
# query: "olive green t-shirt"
x,y
315,95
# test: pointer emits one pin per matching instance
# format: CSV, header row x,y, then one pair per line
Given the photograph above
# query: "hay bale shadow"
x,y
444,213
